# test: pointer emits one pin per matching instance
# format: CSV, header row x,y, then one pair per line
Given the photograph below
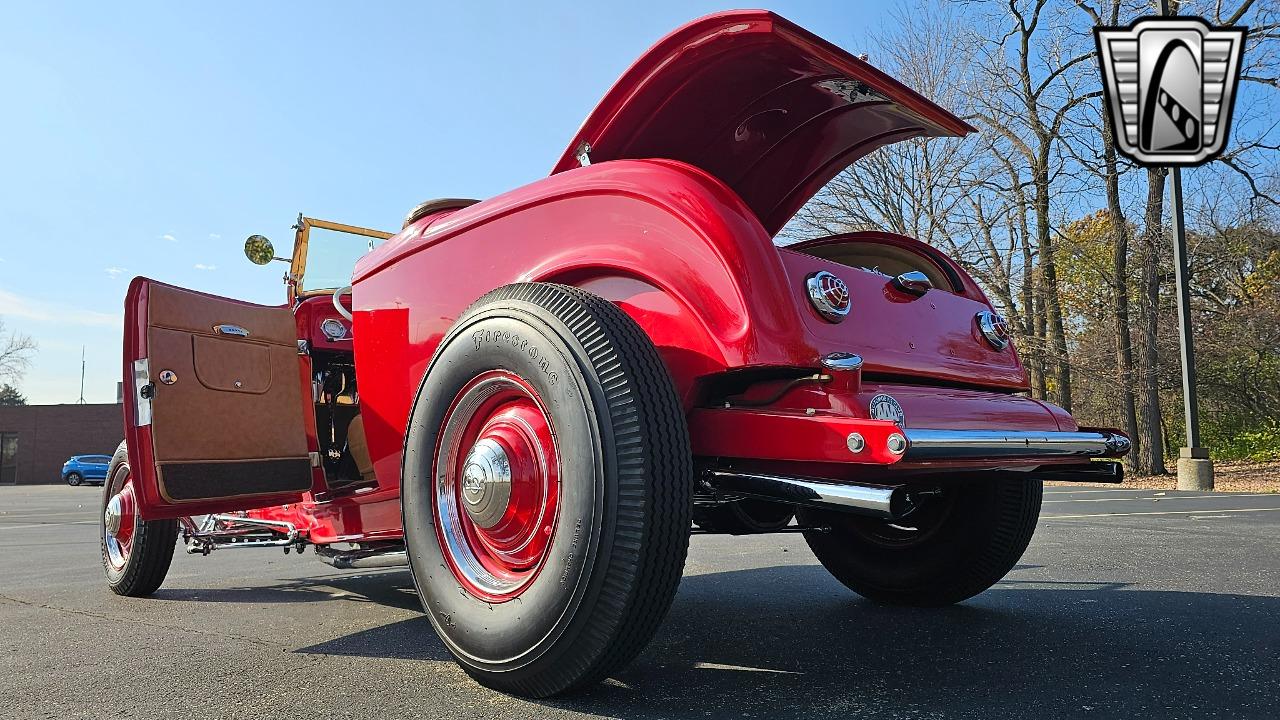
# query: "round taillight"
x,y
829,295
994,328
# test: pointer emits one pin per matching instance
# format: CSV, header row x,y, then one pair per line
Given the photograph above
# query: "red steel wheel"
x,y
496,498
136,553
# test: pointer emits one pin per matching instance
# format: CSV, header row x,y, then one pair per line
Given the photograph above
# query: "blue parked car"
x,y
86,468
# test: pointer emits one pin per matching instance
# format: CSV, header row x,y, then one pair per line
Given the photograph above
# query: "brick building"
x,y
36,439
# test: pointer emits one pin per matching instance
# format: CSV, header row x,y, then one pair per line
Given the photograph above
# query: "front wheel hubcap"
x,y
112,516
486,482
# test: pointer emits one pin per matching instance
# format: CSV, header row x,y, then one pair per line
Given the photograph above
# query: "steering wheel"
x,y
337,303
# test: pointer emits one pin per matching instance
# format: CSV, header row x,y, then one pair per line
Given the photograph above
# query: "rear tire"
x,y
136,556
74,479
583,586
949,550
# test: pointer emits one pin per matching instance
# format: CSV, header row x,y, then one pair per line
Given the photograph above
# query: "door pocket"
x,y
231,366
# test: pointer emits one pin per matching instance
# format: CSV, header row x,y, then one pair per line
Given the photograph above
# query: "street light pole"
x,y
1195,469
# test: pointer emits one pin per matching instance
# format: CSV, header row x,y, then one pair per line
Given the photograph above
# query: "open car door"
x,y
214,406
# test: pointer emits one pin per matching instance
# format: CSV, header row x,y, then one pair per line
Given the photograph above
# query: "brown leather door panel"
x,y
227,410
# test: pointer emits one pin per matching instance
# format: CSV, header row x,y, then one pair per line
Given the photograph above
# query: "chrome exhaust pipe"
x,y
889,502
363,559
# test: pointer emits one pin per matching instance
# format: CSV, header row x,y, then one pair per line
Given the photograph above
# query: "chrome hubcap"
x,y
113,514
486,482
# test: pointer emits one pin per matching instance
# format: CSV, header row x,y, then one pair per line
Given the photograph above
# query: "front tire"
x,y
546,489
74,479
136,553
952,548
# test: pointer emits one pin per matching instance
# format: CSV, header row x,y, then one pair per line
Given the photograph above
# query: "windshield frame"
x,y
297,267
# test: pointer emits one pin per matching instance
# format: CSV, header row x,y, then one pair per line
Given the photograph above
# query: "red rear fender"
x,y
668,242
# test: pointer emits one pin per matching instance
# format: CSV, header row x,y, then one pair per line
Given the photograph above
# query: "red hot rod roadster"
x,y
533,399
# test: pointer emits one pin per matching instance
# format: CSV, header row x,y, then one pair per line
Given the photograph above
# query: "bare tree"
x,y
1109,13
1150,451
1032,85
911,187
15,354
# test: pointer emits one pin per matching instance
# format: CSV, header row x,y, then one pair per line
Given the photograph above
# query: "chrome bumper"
x,y
931,445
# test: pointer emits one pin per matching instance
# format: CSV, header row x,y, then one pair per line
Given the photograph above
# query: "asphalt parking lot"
x,y
1129,603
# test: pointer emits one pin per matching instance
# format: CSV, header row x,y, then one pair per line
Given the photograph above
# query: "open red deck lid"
x,y
769,108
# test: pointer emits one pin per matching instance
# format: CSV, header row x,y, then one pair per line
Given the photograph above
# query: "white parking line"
x,y
1162,512
1069,491
25,515
741,668
1162,498
42,525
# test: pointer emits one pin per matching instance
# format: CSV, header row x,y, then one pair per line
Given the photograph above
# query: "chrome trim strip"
x,y
970,444
884,501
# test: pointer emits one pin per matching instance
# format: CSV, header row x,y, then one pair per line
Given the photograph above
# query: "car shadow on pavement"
x,y
789,641
411,639
393,588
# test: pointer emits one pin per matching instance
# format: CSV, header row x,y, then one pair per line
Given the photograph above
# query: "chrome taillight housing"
x,y
994,328
829,295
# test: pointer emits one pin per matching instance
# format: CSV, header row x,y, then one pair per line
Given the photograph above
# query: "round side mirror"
x,y
259,250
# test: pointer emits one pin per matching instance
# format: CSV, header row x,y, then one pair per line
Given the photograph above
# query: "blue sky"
x,y
152,139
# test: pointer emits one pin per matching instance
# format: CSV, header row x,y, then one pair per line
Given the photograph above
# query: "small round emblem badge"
x,y
829,295
884,407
